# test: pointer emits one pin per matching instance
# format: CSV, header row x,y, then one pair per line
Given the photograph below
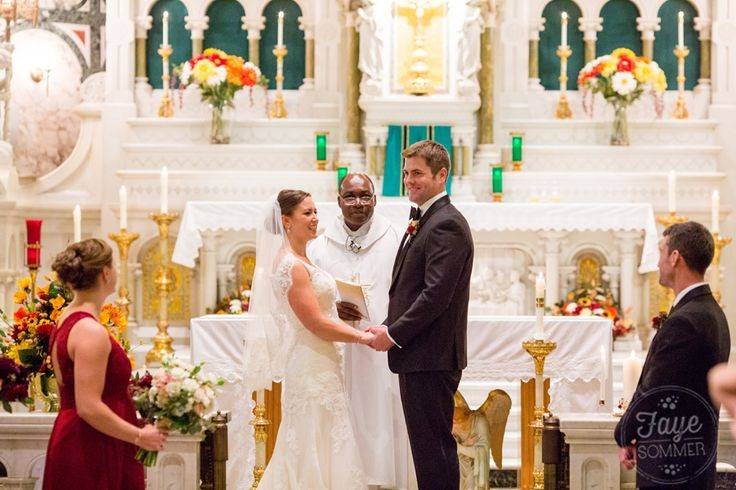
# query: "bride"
x,y
294,302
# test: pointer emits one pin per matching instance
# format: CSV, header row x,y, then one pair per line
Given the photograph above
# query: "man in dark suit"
x,y
693,338
425,331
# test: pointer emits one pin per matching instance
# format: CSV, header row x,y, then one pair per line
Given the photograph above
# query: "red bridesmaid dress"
x,y
79,456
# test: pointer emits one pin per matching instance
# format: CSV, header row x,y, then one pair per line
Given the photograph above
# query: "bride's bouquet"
x,y
177,396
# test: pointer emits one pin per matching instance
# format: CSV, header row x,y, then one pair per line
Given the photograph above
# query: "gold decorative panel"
x,y
432,27
246,268
660,297
179,297
589,271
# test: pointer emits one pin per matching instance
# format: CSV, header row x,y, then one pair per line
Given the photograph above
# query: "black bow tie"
x,y
415,214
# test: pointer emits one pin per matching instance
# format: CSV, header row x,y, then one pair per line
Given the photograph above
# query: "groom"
x,y
427,315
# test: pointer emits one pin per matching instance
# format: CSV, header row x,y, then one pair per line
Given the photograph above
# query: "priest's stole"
x,y
400,138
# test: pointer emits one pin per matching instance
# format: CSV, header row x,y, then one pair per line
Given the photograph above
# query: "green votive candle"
x,y
342,172
497,179
321,142
516,144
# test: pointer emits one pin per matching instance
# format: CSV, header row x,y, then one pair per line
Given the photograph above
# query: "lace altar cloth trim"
x,y
200,216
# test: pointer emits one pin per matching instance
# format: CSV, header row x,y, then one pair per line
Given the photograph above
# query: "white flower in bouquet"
x,y
586,312
598,312
623,82
571,307
236,306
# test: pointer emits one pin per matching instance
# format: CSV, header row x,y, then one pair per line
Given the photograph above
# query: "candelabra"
x,y
680,111
166,108
719,243
259,423
563,106
164,284
123,239
278,111
539,349
670,219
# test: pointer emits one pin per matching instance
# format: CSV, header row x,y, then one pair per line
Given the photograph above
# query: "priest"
x,y
359,246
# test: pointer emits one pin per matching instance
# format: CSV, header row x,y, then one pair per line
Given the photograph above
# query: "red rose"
x,y
20,314
44,329
625,64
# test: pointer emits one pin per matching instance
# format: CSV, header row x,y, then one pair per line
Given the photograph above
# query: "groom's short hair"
x,y
433,153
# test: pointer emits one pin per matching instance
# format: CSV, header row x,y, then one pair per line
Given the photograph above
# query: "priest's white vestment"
x,y
373,390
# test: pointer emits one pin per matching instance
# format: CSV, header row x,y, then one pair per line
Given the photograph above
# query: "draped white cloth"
x,y
200,216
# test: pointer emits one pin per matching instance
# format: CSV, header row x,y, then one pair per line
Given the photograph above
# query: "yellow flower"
x,y
210,51
618,52
105,315
660,82
19,297
643,73
13,353
55,315
234,68
57,302
24,283
609,67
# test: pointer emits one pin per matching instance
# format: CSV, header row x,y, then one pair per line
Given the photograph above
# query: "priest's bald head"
x,y
357,199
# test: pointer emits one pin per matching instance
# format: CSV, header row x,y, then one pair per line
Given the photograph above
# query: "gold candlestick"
x,y
278,111
719,243
259,423
563,106
670,219
164,283
680,111
166,108
123,239
539,349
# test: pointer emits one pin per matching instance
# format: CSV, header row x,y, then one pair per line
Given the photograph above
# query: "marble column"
x,y
552,242
590,27
120,54
627,244
487,153
209,271
375,140
254,26
308,28
137,271
142,26
535,27
703,26
197,26
647,27
352,150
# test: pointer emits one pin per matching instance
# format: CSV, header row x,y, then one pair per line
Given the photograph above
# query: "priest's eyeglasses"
x,y
352,200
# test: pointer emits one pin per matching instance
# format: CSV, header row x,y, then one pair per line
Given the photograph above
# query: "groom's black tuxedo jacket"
x,y
693,339
428,298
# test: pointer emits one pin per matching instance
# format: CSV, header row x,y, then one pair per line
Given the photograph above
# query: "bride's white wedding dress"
x,y
315,446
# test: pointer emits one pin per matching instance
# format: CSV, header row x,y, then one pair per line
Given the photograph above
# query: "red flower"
x,y
20,314
625,64
44,329
659,320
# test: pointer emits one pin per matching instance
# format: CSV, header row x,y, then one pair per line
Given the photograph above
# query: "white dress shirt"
x,y
682,293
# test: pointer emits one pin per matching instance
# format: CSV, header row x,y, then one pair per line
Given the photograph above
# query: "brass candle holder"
x,y
670,219
719,242
123,239
539,349
166,107
278,110
259,423
164,284
563,106
681,111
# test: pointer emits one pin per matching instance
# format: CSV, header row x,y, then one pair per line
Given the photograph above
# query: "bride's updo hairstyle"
x,y
289,199
79,265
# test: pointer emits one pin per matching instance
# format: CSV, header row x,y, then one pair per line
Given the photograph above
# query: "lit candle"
x,y
280,41
166,28
123,198
632,371
539,287
680,28
77,215
563,29
164,190
671,192
715,209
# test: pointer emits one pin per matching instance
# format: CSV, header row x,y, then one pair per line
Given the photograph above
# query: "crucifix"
x,y
419,13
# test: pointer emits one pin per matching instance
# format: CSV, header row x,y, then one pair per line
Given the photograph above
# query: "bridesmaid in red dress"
x,y
96,434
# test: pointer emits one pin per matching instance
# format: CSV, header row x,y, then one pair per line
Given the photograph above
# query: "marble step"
x,y
691,132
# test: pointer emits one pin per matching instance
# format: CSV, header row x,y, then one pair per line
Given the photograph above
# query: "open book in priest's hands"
x,y
351,292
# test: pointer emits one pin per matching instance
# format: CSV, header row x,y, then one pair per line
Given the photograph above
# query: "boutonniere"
x,y
413,227
658,321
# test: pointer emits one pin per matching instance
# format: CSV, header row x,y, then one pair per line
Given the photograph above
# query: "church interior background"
x,y
85,98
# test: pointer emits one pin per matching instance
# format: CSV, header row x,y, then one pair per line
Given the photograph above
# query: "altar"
x,y
579,371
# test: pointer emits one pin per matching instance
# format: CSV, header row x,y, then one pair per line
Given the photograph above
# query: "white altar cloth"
x,y
495,354
201,216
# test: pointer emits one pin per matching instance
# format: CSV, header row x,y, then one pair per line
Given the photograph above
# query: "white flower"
x,y
571,308
218,76
178,373
236,306
186,72
623,82
190,385
586,312
199,395
598,312
173,388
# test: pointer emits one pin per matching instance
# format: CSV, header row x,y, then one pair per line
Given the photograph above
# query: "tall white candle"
x,y
563,29
123,198
280,41
680,28
540,286
166,28
164,190
77,215
672,191
715,209
539,289
632,371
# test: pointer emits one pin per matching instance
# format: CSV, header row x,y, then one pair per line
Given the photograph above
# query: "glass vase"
x,y
620,129
220,126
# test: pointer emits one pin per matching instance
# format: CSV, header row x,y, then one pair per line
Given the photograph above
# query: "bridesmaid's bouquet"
x,y
177,396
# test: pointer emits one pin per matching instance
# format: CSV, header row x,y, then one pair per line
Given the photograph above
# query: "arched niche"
x,y
179,38
619,28
666,39
549,40
293,39
225,28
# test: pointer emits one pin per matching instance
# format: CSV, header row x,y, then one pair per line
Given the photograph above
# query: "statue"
x,y
468,50
477,433
370,60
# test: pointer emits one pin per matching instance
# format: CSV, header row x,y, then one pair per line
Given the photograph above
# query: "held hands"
x,y
381,342
627,457
151,438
